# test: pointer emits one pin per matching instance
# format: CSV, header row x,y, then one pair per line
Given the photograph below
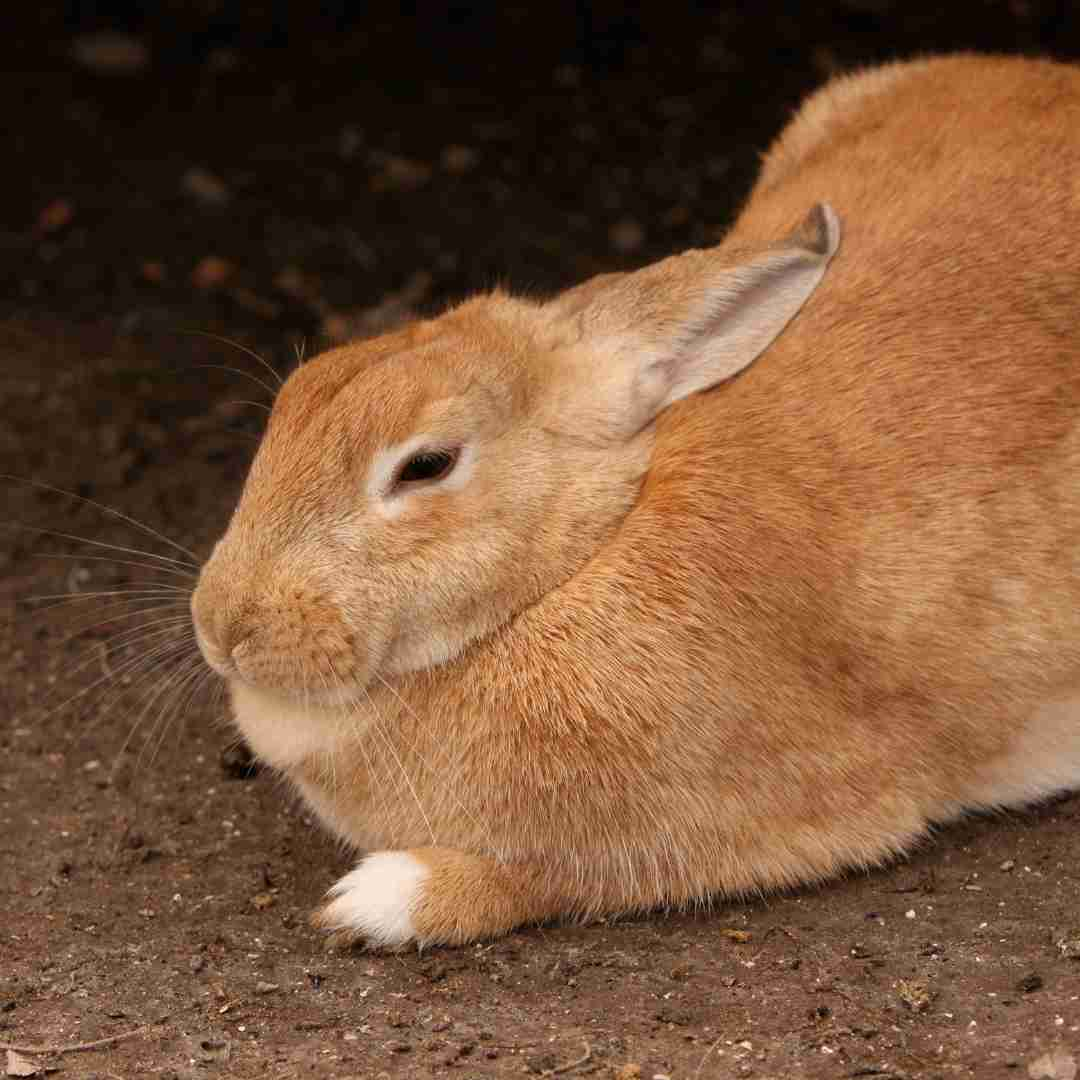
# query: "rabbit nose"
x,y
225,644
213,655
208,636
218,632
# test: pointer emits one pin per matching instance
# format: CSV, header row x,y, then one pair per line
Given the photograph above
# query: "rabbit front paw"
x,y
374,903
434,896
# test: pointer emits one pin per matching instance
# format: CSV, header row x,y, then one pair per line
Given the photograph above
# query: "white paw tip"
x,y
375,900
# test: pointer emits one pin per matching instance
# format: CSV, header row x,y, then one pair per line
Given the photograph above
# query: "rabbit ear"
x,y
686,323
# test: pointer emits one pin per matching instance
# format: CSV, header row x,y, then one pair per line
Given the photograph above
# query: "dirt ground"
x,y
285,180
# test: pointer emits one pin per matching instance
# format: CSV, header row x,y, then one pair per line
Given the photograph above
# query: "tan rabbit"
x,y
720,576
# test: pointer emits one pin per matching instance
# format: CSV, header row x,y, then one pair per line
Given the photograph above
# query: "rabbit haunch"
x,y
658,633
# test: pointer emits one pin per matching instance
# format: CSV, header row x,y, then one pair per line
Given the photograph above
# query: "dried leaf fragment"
x,y
1058,1064
17,1065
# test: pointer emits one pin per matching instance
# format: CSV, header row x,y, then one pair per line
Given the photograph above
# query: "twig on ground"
x,y
76,1048
583,1060
705,1057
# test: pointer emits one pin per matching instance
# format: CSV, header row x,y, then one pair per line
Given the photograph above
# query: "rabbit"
x,y
727,575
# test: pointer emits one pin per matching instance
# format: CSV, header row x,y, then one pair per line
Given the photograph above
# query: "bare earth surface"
x,y
155,889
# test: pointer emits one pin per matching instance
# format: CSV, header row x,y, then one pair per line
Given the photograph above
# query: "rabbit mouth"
x,y
323,685
327,697
334,696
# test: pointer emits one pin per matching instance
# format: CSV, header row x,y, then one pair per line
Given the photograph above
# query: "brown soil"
x,y
155,887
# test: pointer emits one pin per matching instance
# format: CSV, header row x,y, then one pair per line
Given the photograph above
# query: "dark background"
x,y
277,170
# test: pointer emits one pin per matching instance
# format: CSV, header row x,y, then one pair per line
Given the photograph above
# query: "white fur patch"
x,y
1043,760
376,899
283,733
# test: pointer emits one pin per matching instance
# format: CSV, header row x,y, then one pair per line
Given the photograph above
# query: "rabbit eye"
x,y
426,466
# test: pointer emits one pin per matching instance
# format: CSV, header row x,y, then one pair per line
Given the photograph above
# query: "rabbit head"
x,y
414,492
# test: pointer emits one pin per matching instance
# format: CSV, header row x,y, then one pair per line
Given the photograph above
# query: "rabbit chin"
x,y
284,731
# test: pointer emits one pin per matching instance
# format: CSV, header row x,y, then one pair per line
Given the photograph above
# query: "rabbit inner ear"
x,y
686,324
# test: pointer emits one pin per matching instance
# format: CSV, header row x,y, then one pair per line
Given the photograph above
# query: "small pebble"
x,y
219,60
110,53
542,1063
205,187
1068,943
626,236
237,761
567,76
349,141
211,272
916,996
55,216
458,159
399,173
154,272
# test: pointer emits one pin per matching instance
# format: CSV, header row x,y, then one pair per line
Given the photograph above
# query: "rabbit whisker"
x,y
169,630
131,635
447,787
177,667
188,574
242,348
254,404
142,593
101,544
180,690
105,509
373,775
377,728
236,371
114,613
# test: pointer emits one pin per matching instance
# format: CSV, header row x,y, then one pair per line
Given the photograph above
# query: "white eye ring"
x,y
388,484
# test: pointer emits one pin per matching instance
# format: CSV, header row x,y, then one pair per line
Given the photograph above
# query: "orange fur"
x,y
772,634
